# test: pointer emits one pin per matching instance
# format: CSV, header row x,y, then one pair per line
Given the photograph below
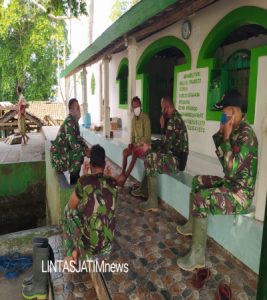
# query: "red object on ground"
x,y
223,292
200,278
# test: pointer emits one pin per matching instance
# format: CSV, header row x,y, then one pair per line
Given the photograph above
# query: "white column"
x,y
67,93
105,64
74,85
84,90
262,174
132,48
101,92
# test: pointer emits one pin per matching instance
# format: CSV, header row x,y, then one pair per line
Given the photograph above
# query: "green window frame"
x,y
231,74
235,19
122,81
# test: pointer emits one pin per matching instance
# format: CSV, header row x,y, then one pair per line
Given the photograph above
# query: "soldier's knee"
x,y
125,152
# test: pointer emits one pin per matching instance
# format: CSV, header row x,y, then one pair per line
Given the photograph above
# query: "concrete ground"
x,y
33,151
10,289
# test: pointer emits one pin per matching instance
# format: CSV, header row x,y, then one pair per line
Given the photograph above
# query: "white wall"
x,y
94,101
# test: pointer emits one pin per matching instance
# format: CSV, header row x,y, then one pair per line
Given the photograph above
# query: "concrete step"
x,y
21,241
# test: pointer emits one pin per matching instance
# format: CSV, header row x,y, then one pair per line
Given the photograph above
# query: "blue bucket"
x,y
87,120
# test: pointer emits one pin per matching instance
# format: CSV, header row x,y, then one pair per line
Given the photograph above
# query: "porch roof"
x,y
142,20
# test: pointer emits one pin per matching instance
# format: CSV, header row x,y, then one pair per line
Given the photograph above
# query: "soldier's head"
x,y
231,106
74,109
167,106
97,159
136,106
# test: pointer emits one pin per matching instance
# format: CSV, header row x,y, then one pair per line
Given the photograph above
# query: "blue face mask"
x,y
223,118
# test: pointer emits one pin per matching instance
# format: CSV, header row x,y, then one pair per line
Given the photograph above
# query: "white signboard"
x,y
191,102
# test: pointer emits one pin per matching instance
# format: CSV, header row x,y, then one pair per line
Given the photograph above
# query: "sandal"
x,y
223,292
200,277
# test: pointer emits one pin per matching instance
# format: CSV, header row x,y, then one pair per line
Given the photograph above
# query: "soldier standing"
x,y
68,149
237,149
169,157
89,221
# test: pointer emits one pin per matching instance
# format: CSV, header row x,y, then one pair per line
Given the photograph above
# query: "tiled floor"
x,y
148,242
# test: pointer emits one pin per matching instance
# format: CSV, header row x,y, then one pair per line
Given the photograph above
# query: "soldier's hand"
x,y
86,167
146,147
162,121
88,152
228,128
108,171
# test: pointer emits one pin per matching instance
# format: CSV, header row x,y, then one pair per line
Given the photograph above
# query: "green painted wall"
x,y
16,178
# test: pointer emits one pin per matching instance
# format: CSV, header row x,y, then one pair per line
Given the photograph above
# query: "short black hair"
x,y
136,98
72,102
98,156
19,89
168,99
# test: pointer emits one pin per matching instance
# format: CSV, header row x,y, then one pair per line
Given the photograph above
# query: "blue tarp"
x,y
14,264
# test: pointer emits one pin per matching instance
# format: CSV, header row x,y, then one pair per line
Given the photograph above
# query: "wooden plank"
x,y
180,13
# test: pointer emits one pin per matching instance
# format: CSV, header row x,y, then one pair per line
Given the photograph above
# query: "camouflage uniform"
x,y
165,159
90,227
68,149
234,192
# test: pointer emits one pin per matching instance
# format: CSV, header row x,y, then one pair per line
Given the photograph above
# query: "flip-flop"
x,y
200,277
223,292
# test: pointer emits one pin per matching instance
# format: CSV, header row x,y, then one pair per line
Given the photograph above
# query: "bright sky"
x,y
79,33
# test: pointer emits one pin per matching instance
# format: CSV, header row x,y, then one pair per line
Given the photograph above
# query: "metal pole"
x,y
262,284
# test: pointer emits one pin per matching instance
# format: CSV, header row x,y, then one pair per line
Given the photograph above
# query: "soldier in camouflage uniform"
x,y
68,149
89,221
237,149
170,155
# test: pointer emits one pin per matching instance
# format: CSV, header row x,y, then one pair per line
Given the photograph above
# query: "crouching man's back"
x,y
89,221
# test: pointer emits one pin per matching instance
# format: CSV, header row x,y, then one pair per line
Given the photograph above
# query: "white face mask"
x,y
137,111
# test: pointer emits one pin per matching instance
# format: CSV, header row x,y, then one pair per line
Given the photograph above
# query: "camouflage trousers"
x,y
162,163
75,236
67,161
210,194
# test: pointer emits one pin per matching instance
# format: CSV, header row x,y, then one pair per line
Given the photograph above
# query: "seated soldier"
x,y
68,149
237,149
140,135
89,221
170,157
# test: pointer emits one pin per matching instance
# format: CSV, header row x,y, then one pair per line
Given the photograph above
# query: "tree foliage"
x,y
120,7
31,47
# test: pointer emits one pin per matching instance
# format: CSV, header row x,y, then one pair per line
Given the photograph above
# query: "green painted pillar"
x,y
262,285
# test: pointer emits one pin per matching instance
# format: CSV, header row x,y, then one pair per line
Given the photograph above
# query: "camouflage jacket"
x,y
239,159
140,129
98,195
68,137
175,139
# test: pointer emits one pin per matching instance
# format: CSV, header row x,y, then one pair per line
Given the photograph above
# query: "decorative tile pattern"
x,y
148,242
